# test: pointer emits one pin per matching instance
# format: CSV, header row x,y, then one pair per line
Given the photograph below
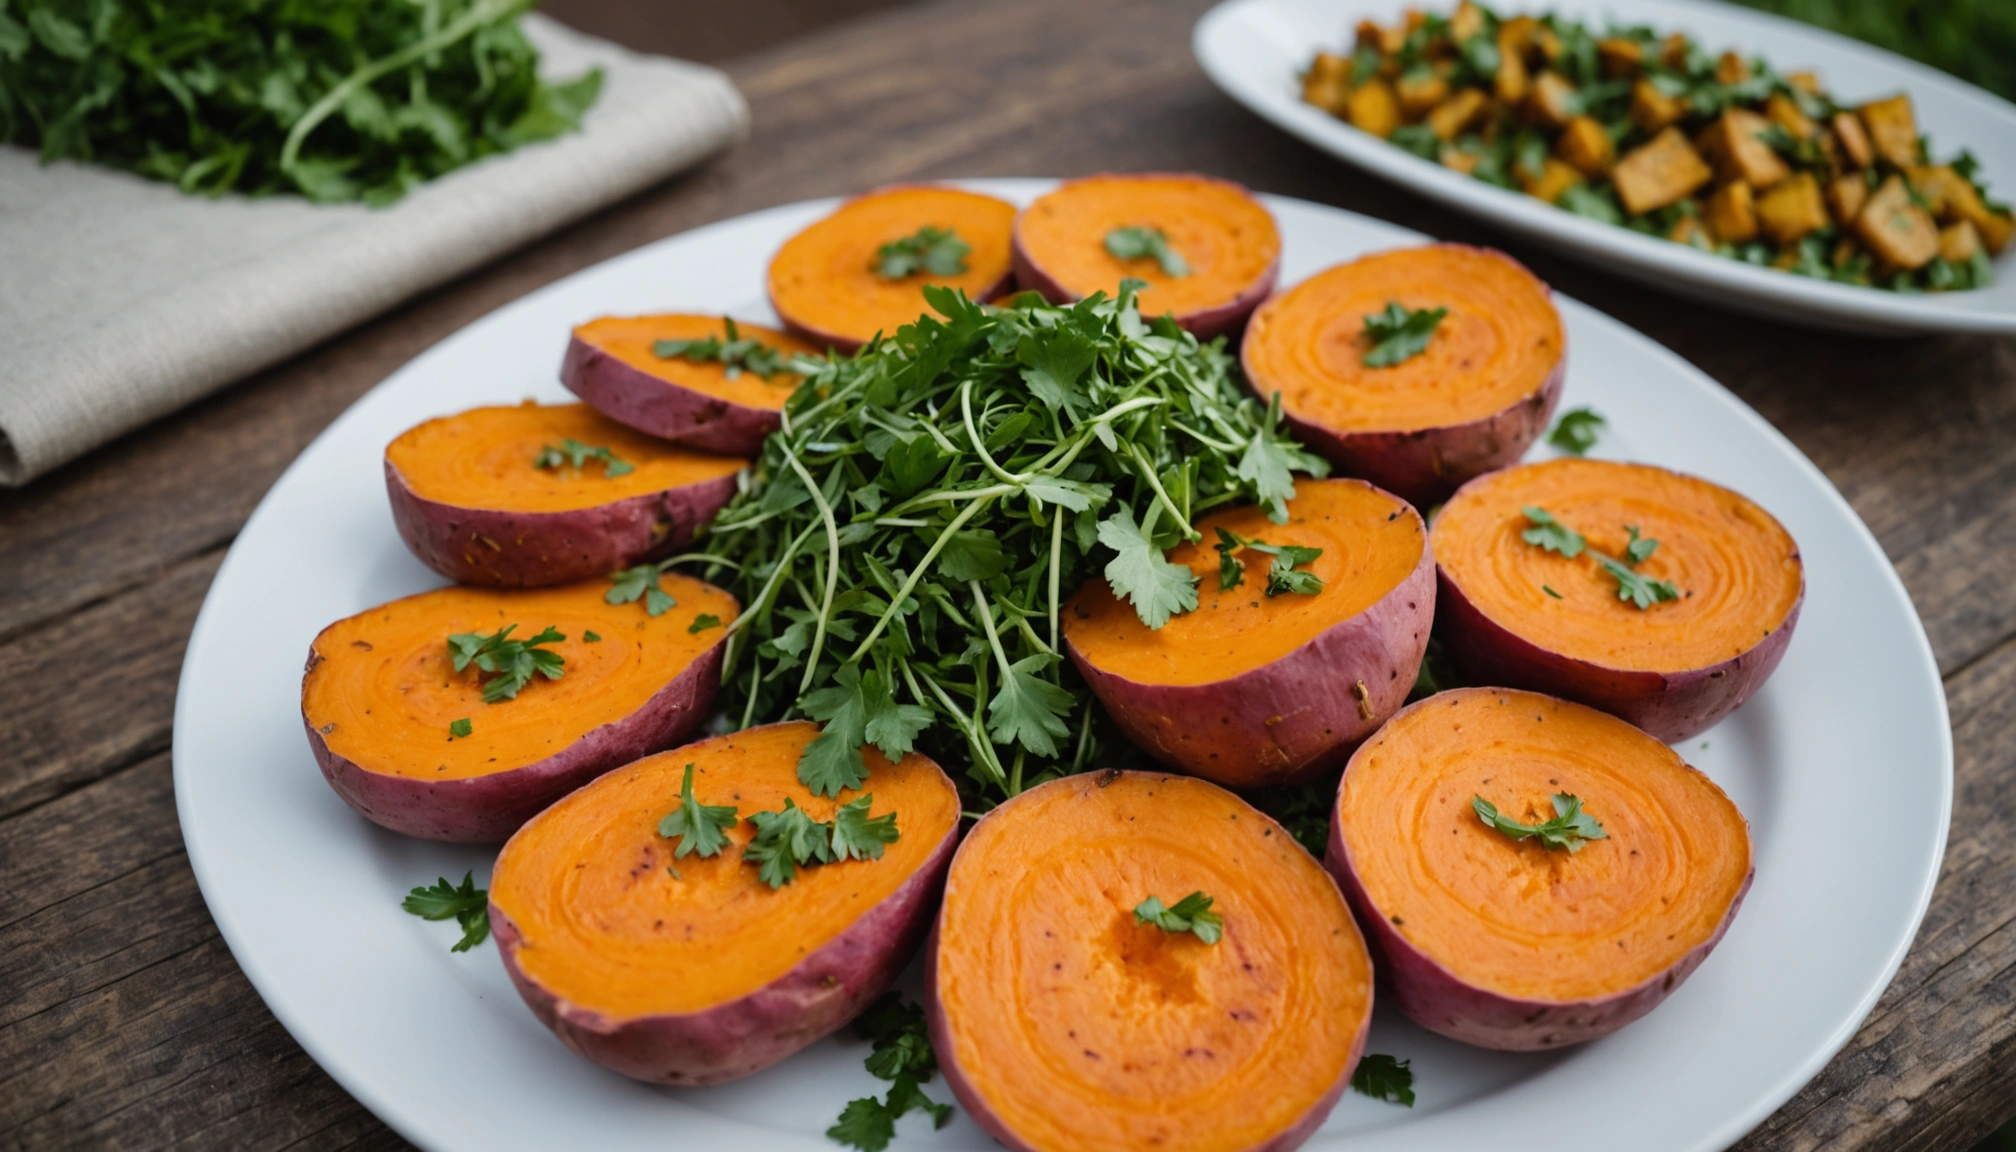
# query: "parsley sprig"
x,y
737,354
1383,1077
938,251
572,453
1570,828
1576,431
790,839
1399,334
700,828
902,1055
467,904
1549,533
1143,243
514,661
1191,914
1281,574
640,583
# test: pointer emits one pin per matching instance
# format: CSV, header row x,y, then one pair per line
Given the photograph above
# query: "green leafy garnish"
x,y
938,251
573,453
702,623
460,728
640,582
786,841
1281,574
857,836
1191,914
1640,589
1570,828
1551,534
1144,243
467,904
1549,590
902,1054
1384,1078
1140,574
1399,334
700,827
1638,550
591,637
1576,431
737,354
514,661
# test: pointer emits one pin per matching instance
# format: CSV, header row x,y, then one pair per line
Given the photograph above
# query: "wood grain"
x,y
124,1021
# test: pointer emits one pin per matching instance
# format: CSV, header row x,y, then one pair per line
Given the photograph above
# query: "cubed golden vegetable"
x,y
1419,93
1936,186
1959,242
1327,84
1731,69
1892,129
1586,146
1551,101
1845,197
1555,178
1519,36
1513,80
1658,172
1386,41
1459,160
1845,249
1373,108
1734,143
1781,110
1467,21
1900,233
1996,229
1732,213
1673,51
1549,45
1854,142
1620,57
1951,198
1791,210
1807,82
1651,109
1687,230
1457,113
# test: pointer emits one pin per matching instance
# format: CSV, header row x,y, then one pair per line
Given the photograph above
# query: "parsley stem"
x,y
697,558
954,497
763,598
755,679
1155,482
832,571
1200,437
973,434
983,750
910,581
981,606
1056,560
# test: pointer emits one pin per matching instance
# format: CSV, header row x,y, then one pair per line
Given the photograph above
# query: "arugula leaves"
x,y
1576,431
467,904
902,1054
938,251
1642,590
1570,828
1191,914
1399,334
700,827
515,661
737,354
1383,1077
1146,243
789,839
640,582
1281,574
1551,534
573,453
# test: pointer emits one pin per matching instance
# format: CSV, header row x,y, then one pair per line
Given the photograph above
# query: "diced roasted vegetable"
x,y
1466,21
1381,39
1651,109
1373,108
1688,230
1586,145
1457,113
1732,214
1659,172
1731,69
1327,84
1419,93
1555,178
1782,111
1845,196
1892,129
1735,144
1951,197
1518,35
1958,243
1673,51
1460,160
1513,80
1807,82
1791,210
1551,101
1900,233
1854,141
1620,57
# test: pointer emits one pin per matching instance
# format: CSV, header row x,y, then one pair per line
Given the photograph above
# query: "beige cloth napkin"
x,y
122,299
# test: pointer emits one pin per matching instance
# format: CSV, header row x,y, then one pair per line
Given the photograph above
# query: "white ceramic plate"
x,y
307,893
1255,49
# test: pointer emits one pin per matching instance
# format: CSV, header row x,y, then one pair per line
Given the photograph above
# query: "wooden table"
x,y
123,1019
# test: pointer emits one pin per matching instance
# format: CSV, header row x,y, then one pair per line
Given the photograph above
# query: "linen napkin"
x,y
123,299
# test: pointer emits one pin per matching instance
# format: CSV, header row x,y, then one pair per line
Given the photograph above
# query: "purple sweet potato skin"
x,y
1294,719
496,548
1668,706
1225,319
488,809
1436,999
823,991
660,407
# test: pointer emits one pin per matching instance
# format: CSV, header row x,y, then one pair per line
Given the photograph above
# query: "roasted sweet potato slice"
x,y
709,404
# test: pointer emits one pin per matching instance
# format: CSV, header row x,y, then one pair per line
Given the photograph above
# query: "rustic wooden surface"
x,y
125,1022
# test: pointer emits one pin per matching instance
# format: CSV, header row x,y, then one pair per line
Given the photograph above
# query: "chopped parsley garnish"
x,y
468,905
1191,914
1576,431
1399,334
572,453
1145,243
591,637
1570,828
1550,533
632,584
785,841
938,251
460,728
902,1054
1383,1077
1642,590
514,661
737,354
1549,590
700,827
702,623
1141,574
856,835
1281,574
1638,550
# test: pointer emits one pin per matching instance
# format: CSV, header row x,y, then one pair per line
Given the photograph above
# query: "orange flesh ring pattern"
x,y
1737,568
1225,236
383,691
609,927
483,458
630,339
1082,1028
1498,344
1514,917
824,280
1369,542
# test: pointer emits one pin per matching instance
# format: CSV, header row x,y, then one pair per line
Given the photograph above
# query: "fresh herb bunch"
x,y
905,545
901,1055
337,100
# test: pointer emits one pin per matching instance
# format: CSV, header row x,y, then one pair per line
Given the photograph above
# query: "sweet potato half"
x,y
1064,1022
1253,689
709,405
828,282
507,497
690,969
1525,616
383,703
1473,400
1507,943
1226,248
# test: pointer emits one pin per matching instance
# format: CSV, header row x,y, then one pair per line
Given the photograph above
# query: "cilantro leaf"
x,y
573,453
1191,914
865,1124
891,727
972,556
468,904
1268,461
785,841
1147,243
702,623
736,355
1636,587
1384,1078
1142,575
1638,551
698,826
516,661
832,761
631,584
1029,710
460,728
1551,534
1576,431
1399,334
856,835
1231,570
1283,577
1052,364
938,251
1570,828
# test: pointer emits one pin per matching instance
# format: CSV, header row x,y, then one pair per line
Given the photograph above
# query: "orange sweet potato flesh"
x,y
1062,1023
823,283
605,925
484,458
629,339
